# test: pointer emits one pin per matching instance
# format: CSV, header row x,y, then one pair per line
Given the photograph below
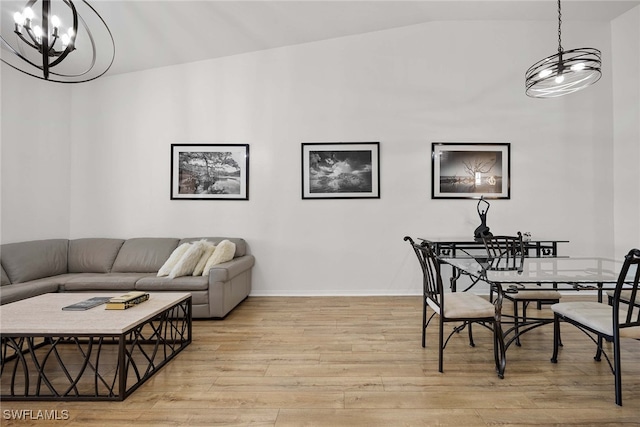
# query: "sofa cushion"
x,y
5,278
183,283
189,260
20,291
208,251
143,255
35,259
241,245
101,282
223,253
175,256
93,255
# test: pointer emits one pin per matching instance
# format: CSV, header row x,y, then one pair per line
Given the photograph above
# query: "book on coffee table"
x,y
127,300
87,304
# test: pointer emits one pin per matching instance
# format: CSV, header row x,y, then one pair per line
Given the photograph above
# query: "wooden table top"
x,y
43,315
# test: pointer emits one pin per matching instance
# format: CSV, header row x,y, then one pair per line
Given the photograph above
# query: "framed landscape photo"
x,y
470,170
209,171
341,170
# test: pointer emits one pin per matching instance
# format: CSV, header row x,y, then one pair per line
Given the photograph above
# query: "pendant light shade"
x,y
565,72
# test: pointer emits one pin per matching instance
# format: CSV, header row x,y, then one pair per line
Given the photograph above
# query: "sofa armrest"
x,y
230,269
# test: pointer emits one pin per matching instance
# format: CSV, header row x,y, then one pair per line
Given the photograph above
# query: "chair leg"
x,y
424,322
499,350
598,355
556,337
559,335
440,342
516,324
471,343
617,368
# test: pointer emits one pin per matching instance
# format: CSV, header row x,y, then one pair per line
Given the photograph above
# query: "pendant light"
x,y
565,72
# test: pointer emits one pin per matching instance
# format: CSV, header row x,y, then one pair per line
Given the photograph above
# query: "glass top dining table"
x,y
574,274
563,270
563,273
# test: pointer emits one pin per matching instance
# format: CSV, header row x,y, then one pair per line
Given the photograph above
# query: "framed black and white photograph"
x,y
470,170
209,171
341,170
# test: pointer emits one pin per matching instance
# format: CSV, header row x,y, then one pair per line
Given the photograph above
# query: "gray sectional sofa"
x,y
104,264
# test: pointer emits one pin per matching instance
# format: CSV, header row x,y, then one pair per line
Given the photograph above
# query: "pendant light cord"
x,y
559,28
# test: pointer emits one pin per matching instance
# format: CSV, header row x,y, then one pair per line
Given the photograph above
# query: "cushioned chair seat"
x,y
624,295
595,315
464,305
547,294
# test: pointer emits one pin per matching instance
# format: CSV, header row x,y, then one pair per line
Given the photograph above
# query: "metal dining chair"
x,y
607,322
507,253
458,307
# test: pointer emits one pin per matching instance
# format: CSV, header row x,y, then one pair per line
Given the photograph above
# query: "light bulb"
x,y
28,13
544,73
65,39
17,17
37,31
55,21
578,67
560,78
70,32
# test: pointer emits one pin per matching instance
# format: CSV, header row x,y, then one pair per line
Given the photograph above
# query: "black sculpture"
x,y
482,230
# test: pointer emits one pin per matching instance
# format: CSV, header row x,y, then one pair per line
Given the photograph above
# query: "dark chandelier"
x,y
565,72
43,49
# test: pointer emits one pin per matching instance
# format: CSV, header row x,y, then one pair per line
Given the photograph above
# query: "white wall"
x,y
103,168
35,144
408,87
626,113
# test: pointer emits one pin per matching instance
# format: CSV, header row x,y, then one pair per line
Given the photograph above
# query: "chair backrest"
x,y
504,252
628,283
432,287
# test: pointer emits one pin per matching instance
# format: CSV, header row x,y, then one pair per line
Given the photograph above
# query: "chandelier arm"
x,y
24,39
50,50
70,47
93,53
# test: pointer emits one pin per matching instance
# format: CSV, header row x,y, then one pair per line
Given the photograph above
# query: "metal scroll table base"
x,y
98,367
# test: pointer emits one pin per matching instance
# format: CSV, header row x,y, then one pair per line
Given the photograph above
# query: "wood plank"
x,y
358,361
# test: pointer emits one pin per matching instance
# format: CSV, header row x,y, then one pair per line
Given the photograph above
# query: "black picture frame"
x,y
470,170
340,170
209,171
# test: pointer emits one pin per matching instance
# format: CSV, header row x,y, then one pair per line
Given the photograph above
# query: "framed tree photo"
x,y
340,170
470,170
209,171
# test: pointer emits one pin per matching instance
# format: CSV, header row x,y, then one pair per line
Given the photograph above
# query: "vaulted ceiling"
x,y
151,34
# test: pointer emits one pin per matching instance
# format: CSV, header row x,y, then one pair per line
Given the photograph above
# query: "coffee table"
x,y
53,354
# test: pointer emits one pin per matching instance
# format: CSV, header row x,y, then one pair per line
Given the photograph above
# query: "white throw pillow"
x,y
224,252
173,259
208,251
188,262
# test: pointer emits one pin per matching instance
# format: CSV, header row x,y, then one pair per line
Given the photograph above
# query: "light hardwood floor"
x,y
357,361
